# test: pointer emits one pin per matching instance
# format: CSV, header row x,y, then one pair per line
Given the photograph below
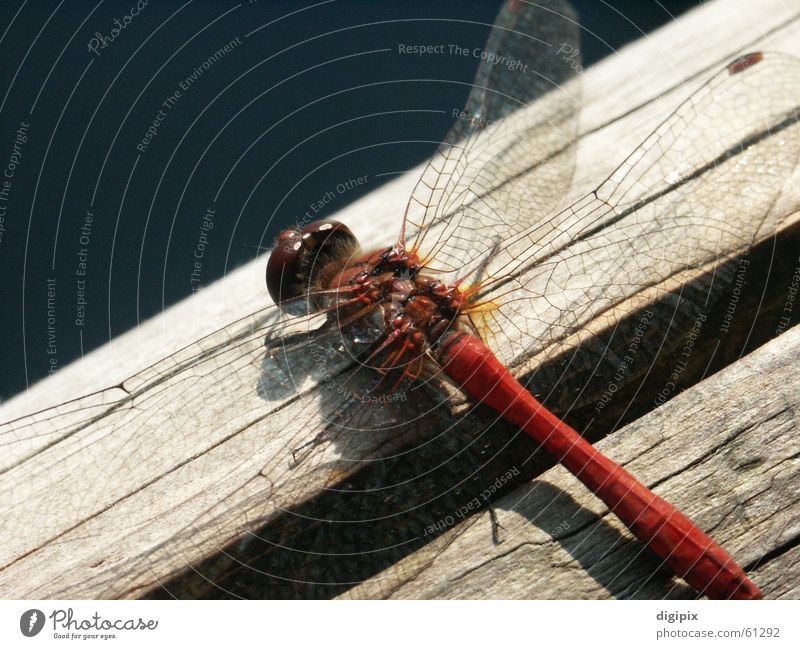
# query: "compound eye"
x,y
300,257
325,229
285,266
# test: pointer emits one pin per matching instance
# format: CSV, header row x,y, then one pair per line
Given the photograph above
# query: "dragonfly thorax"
x,y
417,310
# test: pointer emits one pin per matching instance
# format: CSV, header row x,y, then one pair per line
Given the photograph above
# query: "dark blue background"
x,y
87,112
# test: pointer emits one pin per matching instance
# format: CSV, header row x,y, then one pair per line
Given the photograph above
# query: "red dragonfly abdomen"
x,y
689,551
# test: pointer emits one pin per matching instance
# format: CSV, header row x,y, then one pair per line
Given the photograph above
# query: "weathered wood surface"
x,y
726,452
122,512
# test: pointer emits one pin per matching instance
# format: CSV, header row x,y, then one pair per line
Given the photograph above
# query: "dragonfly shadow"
x,y
614,560
368,520
351,406
288,366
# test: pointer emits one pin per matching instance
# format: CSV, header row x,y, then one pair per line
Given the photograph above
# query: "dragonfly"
x,y
488,270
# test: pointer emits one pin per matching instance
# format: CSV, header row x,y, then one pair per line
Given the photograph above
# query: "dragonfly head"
x,y
303,259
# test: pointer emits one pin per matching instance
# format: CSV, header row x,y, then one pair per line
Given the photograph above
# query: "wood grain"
x,y
155,488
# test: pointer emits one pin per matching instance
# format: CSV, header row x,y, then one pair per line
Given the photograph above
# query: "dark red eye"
x,y
300,256
282,265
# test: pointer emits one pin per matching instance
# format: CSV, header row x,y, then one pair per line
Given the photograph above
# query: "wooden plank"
x,y
780,576
726,452
128,506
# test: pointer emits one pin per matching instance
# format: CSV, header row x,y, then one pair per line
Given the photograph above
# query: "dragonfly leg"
x,y
306,447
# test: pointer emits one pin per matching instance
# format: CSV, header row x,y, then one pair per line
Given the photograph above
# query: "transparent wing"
x,y
201,449
703,185
66,465
531,57
240,343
